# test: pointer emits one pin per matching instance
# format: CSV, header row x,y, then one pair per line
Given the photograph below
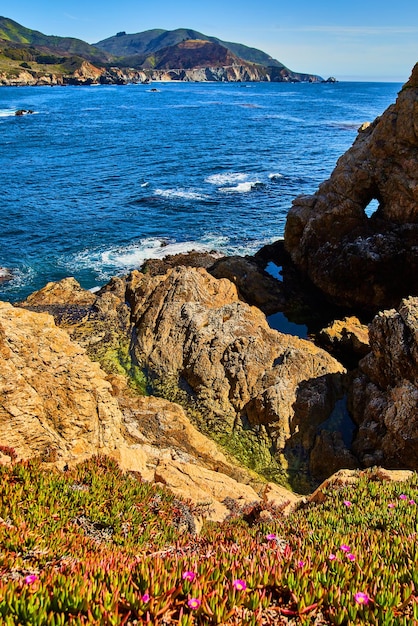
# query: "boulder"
x,y
384,394
5,275
360,261
346,339
194,330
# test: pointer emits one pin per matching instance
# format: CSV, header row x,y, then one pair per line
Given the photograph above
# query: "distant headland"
x,y
28,57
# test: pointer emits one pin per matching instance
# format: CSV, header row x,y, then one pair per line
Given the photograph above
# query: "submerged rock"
x,y
360,261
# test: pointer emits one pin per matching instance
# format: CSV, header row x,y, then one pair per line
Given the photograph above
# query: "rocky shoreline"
x,y
174,371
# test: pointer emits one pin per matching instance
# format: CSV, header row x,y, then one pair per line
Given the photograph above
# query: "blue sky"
x,y
356,40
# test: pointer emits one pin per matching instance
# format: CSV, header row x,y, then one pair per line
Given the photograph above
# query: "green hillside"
x,y
15,33
151,41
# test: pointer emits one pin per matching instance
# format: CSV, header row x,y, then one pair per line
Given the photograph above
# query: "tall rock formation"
x,y
355,260
384,395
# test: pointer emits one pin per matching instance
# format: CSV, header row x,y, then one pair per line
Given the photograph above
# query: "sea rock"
x,y
189,259
256,286
193,329
384,395
5,275
357,261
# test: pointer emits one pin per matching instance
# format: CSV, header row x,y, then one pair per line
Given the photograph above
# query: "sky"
x,y
374,40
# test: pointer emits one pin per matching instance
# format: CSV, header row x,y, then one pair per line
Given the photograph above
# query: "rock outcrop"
x,y
384,395
194,330
360,261
56,404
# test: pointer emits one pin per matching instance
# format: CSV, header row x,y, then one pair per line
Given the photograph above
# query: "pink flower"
x,y
271,537
361,598
239,585
347,502
301,564
188,576
391,505
403,497
350,556
145,598
332,557
32,578
412,502
194,603
345,548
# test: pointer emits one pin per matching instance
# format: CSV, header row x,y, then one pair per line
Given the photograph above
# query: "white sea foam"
x,y
275,176
225,179
242,187
146,184
180,193
7,113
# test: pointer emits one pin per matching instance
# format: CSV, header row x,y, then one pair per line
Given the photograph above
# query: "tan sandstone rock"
x,y
194,329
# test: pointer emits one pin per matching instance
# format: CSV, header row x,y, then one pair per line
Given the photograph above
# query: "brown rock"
x,y
359,261
188,259
384,396
347,339
5,275
329,455
194,329
254,284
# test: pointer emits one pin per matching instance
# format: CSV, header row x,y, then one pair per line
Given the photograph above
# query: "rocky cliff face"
x,y
193,329
384,395
363,262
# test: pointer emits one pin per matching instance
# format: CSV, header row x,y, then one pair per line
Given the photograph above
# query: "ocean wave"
x,y
275,176
224,179
105,263
180,193
7,112
243,187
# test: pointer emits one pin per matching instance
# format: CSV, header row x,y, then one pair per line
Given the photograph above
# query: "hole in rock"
x,y
274,270
371,207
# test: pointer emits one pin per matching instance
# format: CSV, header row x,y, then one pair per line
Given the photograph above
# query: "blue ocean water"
x,y
101,178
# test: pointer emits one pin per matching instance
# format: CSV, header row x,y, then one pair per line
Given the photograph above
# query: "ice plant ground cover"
x,y
95,546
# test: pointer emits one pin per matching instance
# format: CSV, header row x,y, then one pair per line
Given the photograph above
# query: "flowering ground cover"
x,y
95,546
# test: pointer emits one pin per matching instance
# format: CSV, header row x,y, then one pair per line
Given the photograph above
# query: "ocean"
x,y
101,178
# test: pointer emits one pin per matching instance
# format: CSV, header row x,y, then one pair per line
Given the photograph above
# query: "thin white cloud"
x,y
352,30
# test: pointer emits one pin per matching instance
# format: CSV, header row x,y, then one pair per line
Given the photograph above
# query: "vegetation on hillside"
x,y
92,545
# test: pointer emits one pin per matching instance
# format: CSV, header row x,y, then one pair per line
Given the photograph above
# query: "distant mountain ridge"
x,y
150,41
30,57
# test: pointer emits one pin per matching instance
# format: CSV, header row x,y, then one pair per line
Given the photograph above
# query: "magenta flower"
x,y
145,598
32,578
239,585
188,576
301,564
403,497
271,537
347,502
332,557
412,502
350,556
345,548
391,505
361,598
194,603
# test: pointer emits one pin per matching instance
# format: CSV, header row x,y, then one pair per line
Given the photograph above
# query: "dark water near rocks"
x,y
101,178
